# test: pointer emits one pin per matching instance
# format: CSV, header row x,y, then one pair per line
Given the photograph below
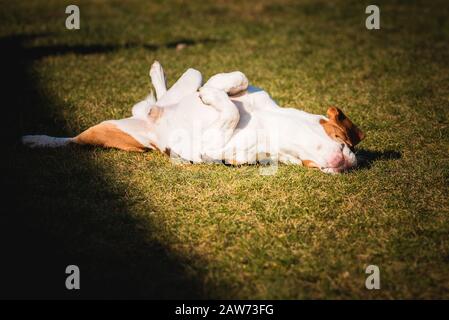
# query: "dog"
x,y
224,120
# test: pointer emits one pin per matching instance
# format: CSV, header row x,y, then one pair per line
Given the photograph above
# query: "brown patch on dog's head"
x,y
340,128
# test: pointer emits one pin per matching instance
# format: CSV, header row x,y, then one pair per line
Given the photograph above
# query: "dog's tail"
x,y
43,141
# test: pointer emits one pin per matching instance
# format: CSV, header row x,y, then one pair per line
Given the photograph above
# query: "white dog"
x,y
223,120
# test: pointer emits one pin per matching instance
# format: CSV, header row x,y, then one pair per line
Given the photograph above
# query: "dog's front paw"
x,y
240,83
232,82
212,96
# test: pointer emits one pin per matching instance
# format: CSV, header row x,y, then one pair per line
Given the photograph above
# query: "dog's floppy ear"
x,y
155,113
340,127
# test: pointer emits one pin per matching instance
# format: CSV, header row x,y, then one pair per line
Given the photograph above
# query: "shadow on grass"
x,y
42,51
366,158
61,209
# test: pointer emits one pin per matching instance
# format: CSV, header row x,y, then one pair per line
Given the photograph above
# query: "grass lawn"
x,y
139,226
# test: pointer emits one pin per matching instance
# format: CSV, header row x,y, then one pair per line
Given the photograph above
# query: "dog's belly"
x,y
255,138
182,132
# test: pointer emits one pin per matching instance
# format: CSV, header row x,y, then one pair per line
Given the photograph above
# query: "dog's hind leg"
x,y
158,79
187,84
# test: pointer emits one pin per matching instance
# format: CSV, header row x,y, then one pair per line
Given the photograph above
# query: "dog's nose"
x,y
336,160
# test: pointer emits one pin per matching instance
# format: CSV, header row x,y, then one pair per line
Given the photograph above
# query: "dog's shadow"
x,y
366,158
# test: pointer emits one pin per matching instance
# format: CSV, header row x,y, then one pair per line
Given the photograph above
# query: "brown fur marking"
x,y
309,164
108,135
340,128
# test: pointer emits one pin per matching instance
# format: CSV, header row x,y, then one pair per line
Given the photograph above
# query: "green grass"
x,y
139,226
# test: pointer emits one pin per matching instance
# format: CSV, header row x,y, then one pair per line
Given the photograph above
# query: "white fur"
x,y
142,108
158,78
232,82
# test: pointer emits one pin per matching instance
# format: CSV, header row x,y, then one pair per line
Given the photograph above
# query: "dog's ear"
x,y
340,127
155,113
